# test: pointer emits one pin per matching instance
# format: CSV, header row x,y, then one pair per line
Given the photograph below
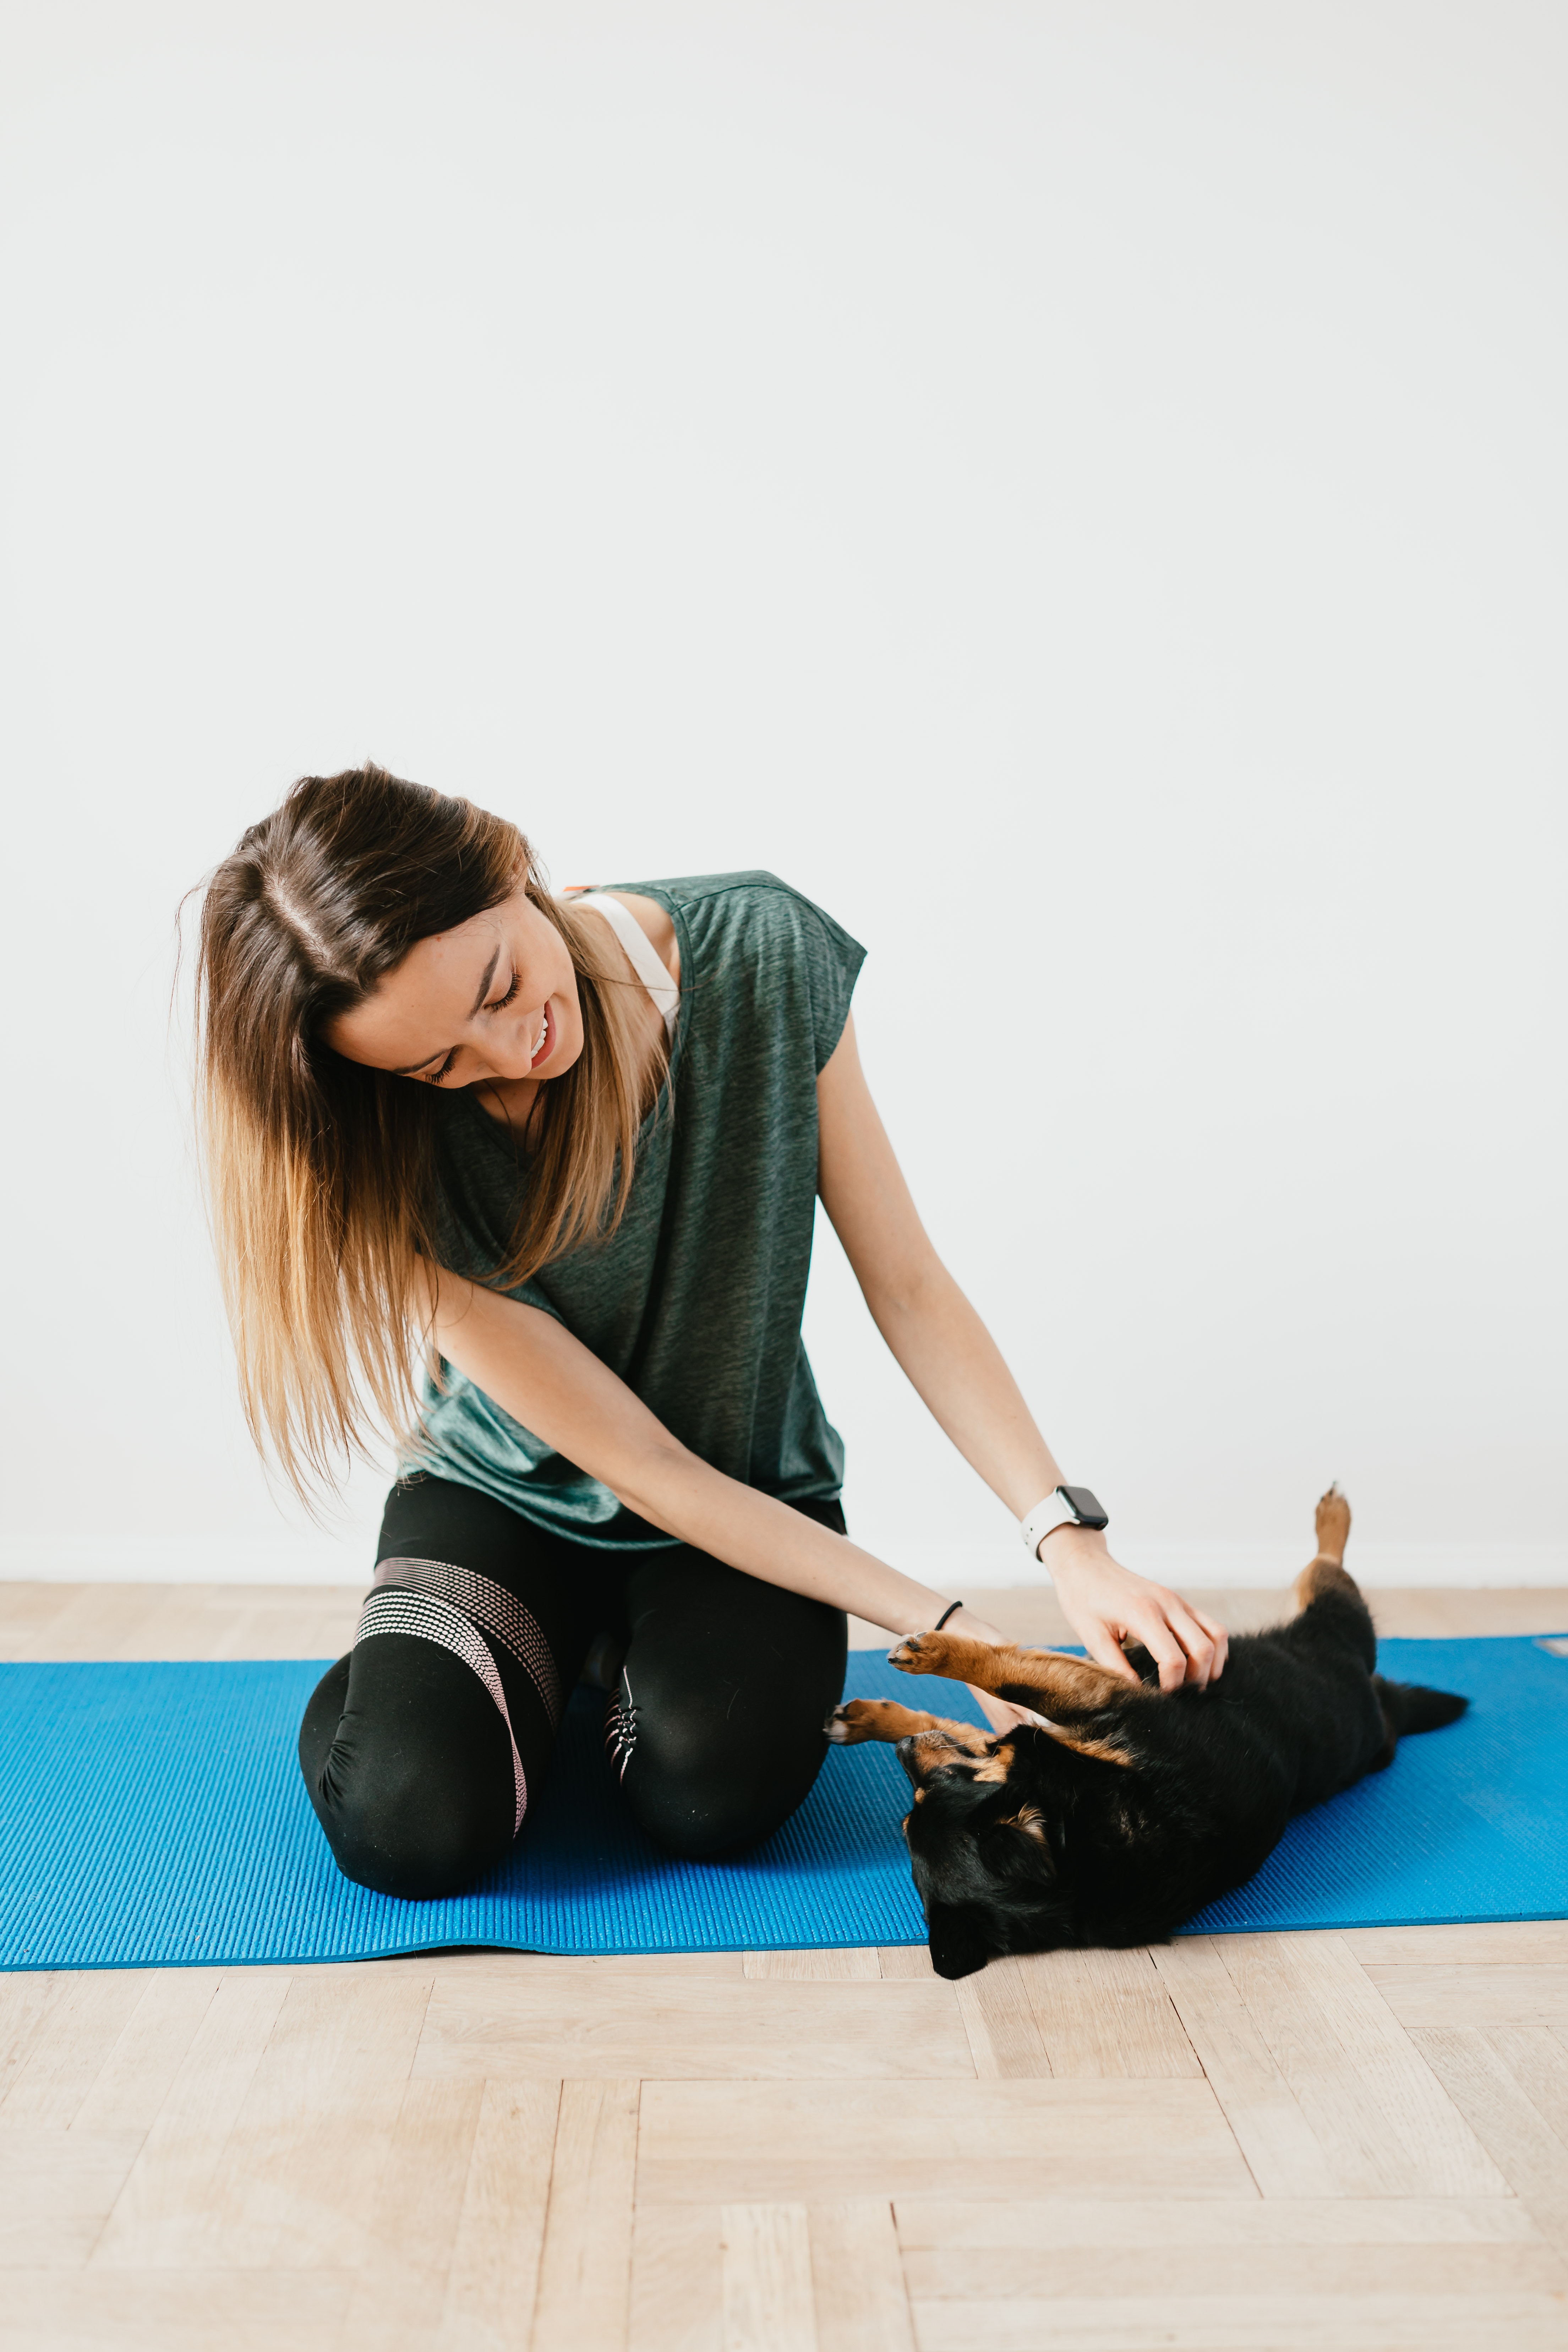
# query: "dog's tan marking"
x,y
1322,1576
1071,1686
997,1766
1103,1751
1028,1818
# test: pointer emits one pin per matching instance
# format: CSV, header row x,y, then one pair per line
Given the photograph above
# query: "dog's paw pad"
x,y
920,1653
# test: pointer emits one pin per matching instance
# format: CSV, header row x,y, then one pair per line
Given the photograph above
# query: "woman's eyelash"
x,y
499,1006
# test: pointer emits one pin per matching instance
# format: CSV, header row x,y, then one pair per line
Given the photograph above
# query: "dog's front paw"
x,y
923,1654
849,1722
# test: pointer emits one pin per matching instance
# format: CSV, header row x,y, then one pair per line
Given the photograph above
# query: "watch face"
x,y
1088,1506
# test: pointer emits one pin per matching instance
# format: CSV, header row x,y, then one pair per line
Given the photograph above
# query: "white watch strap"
x,y
1056,1511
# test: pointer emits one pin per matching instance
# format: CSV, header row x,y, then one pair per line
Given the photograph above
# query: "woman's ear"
x,y
957,1947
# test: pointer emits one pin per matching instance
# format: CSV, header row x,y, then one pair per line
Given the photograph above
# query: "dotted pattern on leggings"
x,y
491,1606
389,1611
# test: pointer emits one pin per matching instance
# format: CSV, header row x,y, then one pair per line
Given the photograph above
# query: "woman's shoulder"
x,y
733,908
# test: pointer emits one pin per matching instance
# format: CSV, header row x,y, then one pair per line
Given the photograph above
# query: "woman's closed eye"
x,y
497,1004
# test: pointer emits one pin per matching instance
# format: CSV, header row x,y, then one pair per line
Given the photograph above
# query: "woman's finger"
x,y
1194,1638
1220,1639
1152,1629
1105,1649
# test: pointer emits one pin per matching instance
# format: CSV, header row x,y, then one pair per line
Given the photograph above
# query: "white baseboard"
x,y
347,1557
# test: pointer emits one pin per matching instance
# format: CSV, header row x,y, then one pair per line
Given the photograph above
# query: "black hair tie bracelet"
x,y
951,1608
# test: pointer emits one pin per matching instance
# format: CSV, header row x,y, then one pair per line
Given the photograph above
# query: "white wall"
x,y
1080,490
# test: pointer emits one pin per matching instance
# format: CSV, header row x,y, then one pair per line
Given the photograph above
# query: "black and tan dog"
x,y
1123,1810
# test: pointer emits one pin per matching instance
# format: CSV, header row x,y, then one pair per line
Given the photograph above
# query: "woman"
x,y
569,1150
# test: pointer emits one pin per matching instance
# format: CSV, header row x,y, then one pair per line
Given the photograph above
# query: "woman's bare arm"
x,y
955,1365
534,1369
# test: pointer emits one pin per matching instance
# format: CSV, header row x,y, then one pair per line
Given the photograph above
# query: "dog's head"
x,y
998,1838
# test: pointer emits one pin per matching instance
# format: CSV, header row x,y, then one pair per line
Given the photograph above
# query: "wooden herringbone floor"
x,y
1243,2143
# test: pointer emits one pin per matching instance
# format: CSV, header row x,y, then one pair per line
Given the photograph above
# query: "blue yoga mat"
x,y
153,1816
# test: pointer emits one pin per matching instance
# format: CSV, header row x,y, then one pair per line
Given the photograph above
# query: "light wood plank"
x,y
165,2216
56,2190
1187,2274
487,1970
677,2298
1218,2223
26,1613
846,1967
900,1962
298,2182
85,2021
493,2281
1533,2157
1274,2137
135,2079
400,2292
1382,2120
1511,1943
172,2310
1472,1994
553,2027
26,1998
98,1621
56,1621
1537,2058
584,2273
1107,2013
802,2143
766,2268
858,2278
1222,2323
80,1621
999,2017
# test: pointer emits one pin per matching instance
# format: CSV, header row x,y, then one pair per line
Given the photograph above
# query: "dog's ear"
x,y
957,1948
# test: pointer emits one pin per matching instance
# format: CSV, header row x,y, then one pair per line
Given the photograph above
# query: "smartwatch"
x,y
1068,1507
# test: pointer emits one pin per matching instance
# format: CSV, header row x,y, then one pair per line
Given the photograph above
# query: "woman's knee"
x,y
703,1790
417,1797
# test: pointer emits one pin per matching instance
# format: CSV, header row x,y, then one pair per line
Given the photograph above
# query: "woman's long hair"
x,y
322,1173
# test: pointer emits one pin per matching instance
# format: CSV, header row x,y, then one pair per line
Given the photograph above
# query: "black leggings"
x,y
424,1748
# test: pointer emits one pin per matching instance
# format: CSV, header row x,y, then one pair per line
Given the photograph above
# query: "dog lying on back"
x,y
1127,1809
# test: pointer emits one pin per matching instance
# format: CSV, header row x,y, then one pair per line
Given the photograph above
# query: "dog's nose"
x,y
904,1750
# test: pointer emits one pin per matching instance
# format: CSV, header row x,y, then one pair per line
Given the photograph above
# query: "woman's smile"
x,y
545,1043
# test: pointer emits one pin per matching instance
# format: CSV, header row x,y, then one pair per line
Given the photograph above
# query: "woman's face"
x,y
497,999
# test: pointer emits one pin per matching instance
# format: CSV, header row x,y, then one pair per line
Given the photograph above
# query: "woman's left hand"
x,y
1105,1605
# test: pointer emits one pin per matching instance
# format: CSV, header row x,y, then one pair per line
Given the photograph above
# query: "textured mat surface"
x,y
154,1815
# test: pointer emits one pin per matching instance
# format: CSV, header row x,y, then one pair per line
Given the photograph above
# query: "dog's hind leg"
x,y
1328,1599
1326,1573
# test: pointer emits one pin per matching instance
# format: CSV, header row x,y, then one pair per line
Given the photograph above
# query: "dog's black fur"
x,y
1135,1808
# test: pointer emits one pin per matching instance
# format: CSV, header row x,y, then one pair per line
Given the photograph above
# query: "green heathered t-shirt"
x,y
696,1301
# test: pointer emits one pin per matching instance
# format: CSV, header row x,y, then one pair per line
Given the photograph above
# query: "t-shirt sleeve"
x,y
832,961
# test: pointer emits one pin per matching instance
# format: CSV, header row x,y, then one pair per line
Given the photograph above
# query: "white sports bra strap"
x,y
644,956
